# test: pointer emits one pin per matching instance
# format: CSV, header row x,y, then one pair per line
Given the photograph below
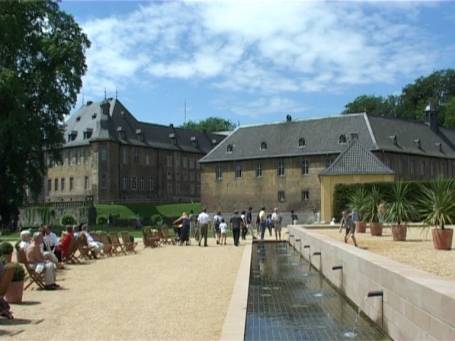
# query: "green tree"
x,y
374,105
210,124
42,61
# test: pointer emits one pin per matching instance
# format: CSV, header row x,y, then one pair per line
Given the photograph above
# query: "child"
x,y
348,224
223,231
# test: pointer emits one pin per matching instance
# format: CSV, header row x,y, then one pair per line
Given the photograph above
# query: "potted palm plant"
x,y
371,210
356,202
400,210
16,287
6,251
437,207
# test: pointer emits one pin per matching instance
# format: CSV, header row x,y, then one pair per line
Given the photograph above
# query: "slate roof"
x,y
357,160
121,126
322,138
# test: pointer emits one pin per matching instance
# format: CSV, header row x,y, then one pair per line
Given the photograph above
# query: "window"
x,y
71,184
62,184
263,145
133,183
328,162
76,156
147,158
229,148
150,182
280,169
305,167
218,172
281,196
86,182
302,142
354,136
238,171
56,185
124,155
103,154
422,168
136,155
103,181
305,195
342,139
49,185
142,184
125,183
259,170
169,160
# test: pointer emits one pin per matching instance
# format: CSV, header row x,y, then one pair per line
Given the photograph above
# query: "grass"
x,y
131,211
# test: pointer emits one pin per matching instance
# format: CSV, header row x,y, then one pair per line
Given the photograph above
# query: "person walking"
x,y
249,221
269,224
184,221
294,218
348,224
244,225
236,224
262,220
203,220
216,226
223,231
276,220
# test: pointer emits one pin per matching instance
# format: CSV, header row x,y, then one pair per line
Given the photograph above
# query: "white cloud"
x,y
261,47
264,106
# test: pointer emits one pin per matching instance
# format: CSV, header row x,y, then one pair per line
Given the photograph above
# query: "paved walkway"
x,y
167,293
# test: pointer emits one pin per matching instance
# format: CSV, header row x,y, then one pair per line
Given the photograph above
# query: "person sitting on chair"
x,y
92,243
36,259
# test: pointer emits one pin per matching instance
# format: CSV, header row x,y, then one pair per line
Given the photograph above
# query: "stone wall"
x,y
417,305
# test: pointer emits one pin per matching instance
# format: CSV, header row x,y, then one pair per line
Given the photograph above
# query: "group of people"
x,y
240,223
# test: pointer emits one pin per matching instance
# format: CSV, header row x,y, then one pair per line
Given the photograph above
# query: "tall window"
x,y
56,184
103,154
281,196
62,184
305,167
125,183
49,185
86,183
103,181
124,155
150,181
142,183
134,183
305,195
259,170
147,158
280,169
136,154
218,172
71,184
238,171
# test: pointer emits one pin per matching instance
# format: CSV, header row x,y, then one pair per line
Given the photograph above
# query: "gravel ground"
x,y
173,292
417,251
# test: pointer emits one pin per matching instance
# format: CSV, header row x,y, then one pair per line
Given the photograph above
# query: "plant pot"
x,y
360,227
14,292
376,229
442,239
399,232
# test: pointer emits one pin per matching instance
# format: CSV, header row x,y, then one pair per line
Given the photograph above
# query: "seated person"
x,y
38,262
76,230
6,275
26,236
92,243
50,238
63,247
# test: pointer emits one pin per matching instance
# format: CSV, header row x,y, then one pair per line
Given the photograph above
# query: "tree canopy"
x,y
210,124
42,61
437,88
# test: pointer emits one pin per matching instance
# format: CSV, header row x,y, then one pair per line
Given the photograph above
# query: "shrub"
x,y
6,249
68,220
101,220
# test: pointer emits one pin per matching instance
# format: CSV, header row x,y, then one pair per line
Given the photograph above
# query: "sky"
x,y
257,61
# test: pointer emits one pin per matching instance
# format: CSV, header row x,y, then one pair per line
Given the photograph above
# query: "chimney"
x,y
431,117
105,107
288,118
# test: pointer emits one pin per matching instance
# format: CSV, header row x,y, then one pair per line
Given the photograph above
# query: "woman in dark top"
x,y
184,221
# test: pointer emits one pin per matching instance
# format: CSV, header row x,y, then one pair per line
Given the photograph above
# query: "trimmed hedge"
x,y
343,191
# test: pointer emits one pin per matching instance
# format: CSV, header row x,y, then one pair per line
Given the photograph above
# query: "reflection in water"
x,y
287,301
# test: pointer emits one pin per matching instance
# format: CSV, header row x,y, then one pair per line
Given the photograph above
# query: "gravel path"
x,y
417,251
178,293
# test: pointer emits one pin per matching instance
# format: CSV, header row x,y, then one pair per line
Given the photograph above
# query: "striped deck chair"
x,y
117,247
33,276
128,242
107,244
165,237
71,257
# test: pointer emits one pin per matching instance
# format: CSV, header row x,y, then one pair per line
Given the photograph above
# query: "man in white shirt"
x,y
50,238
276,219
203,220
262,226
92,243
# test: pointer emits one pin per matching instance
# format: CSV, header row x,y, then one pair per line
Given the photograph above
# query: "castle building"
x,y
295,165
110,156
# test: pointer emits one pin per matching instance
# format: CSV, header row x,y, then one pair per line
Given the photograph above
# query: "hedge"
x,y
343,191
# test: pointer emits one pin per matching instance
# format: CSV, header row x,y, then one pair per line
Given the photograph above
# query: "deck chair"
x,y
33,276
117,247
85,251
128,242
165,237
71,257
107,244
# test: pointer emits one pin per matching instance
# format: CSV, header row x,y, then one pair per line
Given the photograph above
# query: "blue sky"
x,y
256,61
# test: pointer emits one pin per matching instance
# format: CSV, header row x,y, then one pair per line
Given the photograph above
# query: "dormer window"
x,y
214,141
439,146
93,116
342,139
172,136
229,148
263,145
418,143
194,141
302,142
394,139
354,136
78,119
88,133
140,135
121,133
72,136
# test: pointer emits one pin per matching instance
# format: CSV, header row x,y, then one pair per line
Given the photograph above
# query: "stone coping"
x,y
235,320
